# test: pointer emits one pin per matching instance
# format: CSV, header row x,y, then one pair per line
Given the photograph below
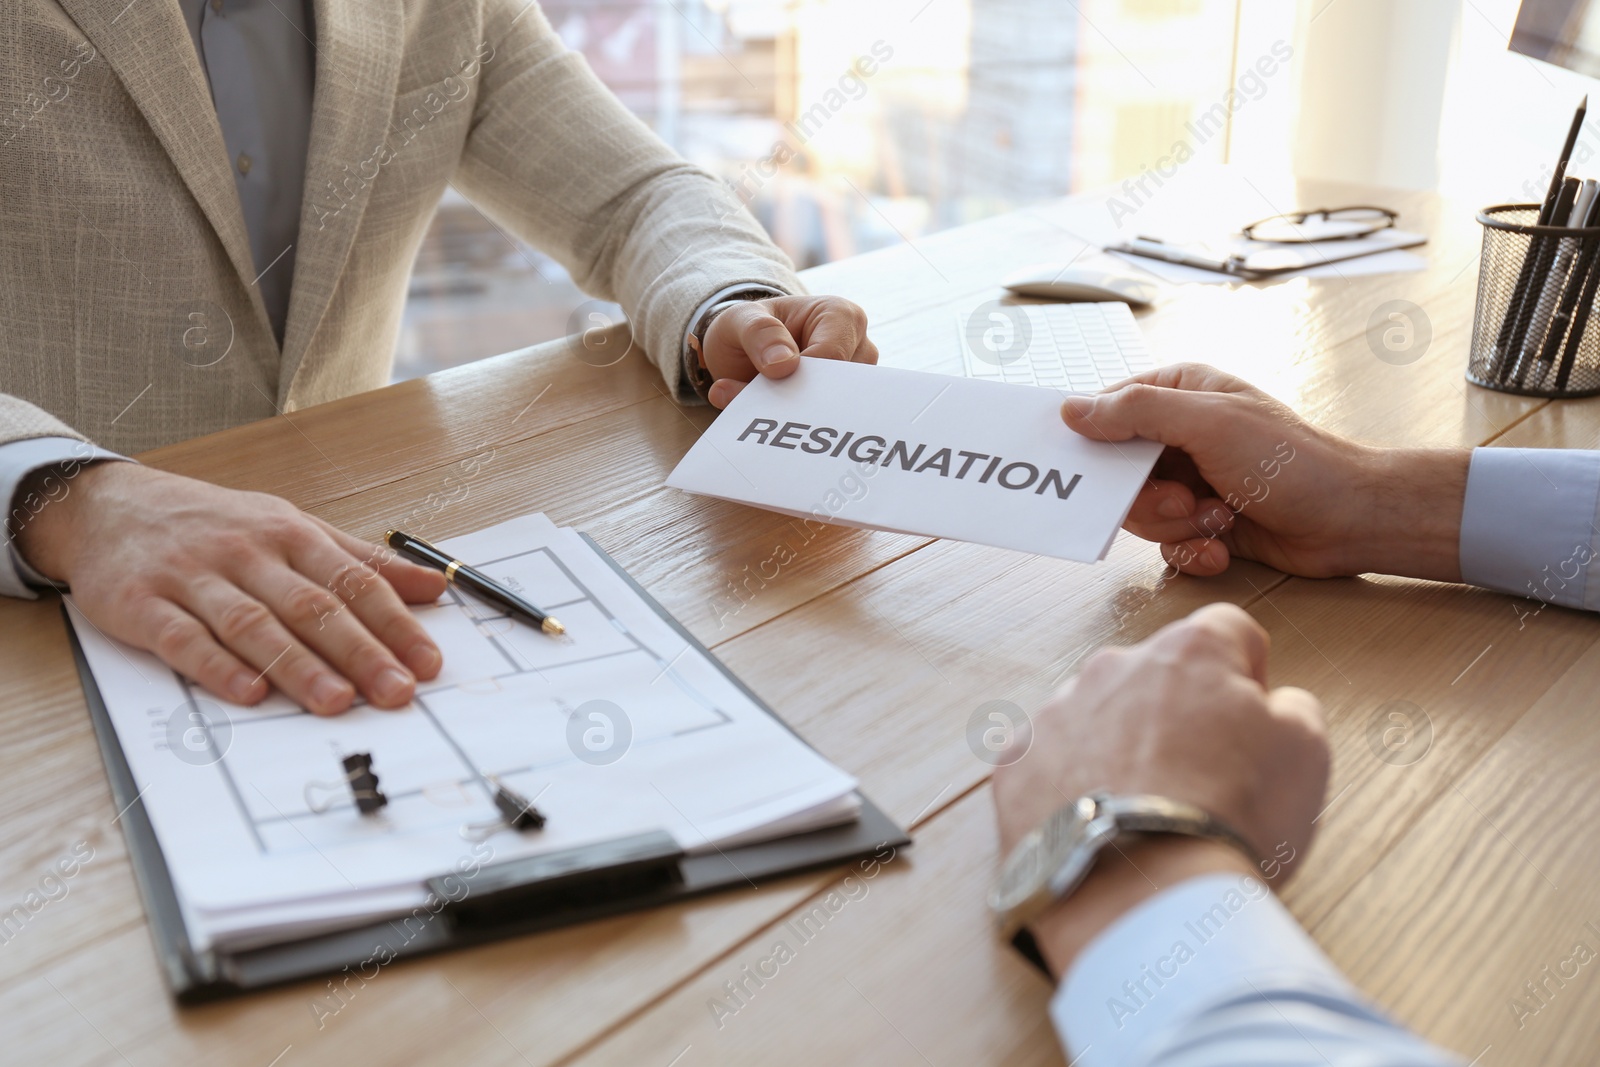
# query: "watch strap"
x,y
1146,813
694,369
1089,824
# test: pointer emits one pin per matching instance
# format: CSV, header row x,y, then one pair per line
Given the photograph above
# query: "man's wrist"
x,y
1123,877
1412,501
694,369
43,540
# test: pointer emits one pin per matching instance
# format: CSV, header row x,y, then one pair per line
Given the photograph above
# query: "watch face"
x,y
1041,854
1051,861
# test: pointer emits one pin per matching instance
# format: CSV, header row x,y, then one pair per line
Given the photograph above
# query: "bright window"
x,y
972,108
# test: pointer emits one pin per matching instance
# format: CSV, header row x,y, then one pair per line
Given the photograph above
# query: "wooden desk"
x,y
1441,886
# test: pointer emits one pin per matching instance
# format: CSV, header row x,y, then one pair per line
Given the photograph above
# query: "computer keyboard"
x,y
1080,348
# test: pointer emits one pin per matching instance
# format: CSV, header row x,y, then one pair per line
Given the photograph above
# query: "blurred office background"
x,y
977,107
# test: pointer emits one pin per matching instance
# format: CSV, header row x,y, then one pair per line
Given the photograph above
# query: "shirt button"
x,y
244,163
216,5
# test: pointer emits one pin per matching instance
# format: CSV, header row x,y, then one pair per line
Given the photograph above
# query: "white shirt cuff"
x,y
1192,946
18,459
1528,526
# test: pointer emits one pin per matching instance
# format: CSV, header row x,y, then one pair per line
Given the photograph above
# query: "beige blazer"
x,y
127,274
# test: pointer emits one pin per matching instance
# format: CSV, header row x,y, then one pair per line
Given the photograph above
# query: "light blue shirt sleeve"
x,y
1528,525
18,459
1215,972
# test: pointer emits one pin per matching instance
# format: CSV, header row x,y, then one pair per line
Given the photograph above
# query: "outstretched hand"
x,y
1244,476
768,337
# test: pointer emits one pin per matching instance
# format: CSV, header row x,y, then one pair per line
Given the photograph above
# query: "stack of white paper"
x,y
620,728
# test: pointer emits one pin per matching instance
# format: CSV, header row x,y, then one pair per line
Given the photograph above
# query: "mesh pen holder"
x,y
1535,296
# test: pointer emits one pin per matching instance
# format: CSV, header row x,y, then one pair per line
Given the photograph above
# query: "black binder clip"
x,y
362,782
516,813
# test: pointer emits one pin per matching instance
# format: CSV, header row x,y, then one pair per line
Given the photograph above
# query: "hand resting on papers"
x,y
237,589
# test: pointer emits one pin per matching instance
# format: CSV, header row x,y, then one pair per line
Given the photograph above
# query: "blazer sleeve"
x,y
20,420
558,160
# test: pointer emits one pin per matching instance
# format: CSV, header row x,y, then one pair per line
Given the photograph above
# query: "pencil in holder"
x,y
1536,330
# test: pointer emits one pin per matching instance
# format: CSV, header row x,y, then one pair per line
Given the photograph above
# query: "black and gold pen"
x,y
475,582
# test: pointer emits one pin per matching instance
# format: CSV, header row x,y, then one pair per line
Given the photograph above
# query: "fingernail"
x,y
424,659
1077,406
777,355
393,685
328,692
1172,508
241,686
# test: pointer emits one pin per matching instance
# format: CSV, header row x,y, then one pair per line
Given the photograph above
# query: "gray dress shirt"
x,y
260,60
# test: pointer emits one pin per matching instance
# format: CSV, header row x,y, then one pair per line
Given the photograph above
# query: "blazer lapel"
x,y
359,47
148,47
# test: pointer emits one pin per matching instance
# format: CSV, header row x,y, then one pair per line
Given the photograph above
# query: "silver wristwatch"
x,y
1053,860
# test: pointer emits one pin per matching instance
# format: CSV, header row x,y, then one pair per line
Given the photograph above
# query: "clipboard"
x,y
519,896
1271,260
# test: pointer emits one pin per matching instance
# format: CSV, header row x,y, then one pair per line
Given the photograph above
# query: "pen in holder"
x,y
1531,332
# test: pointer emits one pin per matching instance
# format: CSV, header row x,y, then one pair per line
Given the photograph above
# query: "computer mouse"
x,y
1052,281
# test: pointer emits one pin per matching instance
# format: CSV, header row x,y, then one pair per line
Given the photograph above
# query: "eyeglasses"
x,y
1321,224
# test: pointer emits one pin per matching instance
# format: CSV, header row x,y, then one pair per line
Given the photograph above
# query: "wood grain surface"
x,y
1447,872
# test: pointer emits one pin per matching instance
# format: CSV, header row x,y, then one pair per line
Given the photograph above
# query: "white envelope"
x,y
888,449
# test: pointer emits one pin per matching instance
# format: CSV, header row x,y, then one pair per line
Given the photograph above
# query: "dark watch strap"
x,y
694,353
